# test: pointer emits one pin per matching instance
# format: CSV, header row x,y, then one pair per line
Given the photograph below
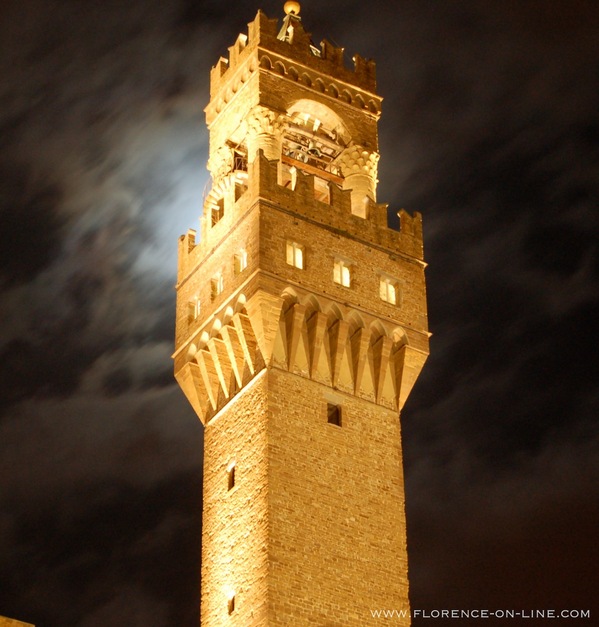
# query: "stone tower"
x,y
301,329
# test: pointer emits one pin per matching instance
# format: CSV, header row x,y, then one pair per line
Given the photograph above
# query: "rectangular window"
x,y
193,309
334,414
240,160
218,212
241,261
342,272
231,604
389,290
217,285
295,255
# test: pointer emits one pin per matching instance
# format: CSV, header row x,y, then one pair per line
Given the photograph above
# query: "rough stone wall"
x,y
236,231
337,545
322,247
235,522
313,533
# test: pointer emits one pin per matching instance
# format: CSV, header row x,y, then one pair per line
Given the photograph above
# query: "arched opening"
x,y
314,137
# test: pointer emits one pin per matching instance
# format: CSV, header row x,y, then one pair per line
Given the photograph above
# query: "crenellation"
x,y
338,215
331,53
328,60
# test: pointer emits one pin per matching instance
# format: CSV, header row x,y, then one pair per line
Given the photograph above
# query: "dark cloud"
x,y
30,222
490,129
107,531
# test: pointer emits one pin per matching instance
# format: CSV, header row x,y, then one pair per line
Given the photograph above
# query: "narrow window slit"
x,y
231,477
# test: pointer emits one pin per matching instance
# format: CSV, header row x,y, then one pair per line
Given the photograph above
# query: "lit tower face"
x,y
301,329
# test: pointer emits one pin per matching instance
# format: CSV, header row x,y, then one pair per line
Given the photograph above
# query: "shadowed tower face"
x,y
301,329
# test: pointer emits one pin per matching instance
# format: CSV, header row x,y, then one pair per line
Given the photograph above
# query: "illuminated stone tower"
x,y
301,329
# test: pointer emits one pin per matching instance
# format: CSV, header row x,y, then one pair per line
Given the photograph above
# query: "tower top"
x,y
288,49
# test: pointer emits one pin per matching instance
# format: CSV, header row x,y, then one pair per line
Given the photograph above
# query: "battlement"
x,y
304,199
271,45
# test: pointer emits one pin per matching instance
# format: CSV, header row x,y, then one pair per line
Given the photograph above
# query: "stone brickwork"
x,y
301,329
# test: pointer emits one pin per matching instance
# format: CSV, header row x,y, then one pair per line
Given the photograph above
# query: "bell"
x,y
313,150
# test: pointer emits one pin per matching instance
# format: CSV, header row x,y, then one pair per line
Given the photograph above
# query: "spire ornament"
x,y
292,8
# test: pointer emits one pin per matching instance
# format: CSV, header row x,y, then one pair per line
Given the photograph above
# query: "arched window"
x,y
314,137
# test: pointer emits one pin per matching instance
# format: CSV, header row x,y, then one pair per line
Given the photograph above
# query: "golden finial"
x,y
292,8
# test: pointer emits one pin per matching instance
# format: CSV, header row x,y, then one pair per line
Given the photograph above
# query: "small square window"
x,y
342,273
193,309
389,290
295,255
334,414
217,285
241,261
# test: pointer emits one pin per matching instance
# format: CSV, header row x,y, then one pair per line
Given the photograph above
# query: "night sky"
x,y
490,129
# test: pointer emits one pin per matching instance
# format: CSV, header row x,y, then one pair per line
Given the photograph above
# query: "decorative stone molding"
x,y
311,338
262,120
357,160
315,83
220,162
264,132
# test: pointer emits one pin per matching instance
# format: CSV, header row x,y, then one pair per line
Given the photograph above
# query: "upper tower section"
x,y
292,219
298,103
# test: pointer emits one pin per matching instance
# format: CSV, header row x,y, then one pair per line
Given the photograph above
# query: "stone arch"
x,y
312,305
306,80
372,106
240,304
204,337
355,323
227,315
266,63
290,298
346,96
333,91
399,337
191,352
279,68
329,119
359,101
377,330
293,75
319,85
217,325
334,313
